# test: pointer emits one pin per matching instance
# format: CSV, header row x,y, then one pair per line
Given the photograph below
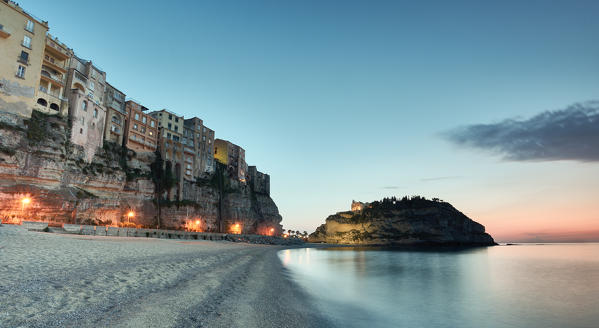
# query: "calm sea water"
x,y
551,285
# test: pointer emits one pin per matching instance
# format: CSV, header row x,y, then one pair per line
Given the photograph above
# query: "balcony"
x,y
56,66
23,60
3,32
79,81
51,78
56,50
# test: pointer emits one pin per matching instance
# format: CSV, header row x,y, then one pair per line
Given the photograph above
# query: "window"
x,y
169,126
168,135
170,117
135,126
151,133
29,26
137,116
176,119
152,123
176,138
21,72
143,129
176,128
203,138
95,113
81,131
92,85
24,57
144,119
84,106
27,41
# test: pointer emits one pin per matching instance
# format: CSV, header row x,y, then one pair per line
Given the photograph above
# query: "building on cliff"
x,y
50,93
22,47
141,129
260,182
358,206
85,90
201,139
232,156
116,115
170,137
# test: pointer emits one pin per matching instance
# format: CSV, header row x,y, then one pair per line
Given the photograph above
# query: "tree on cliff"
x,y
164,180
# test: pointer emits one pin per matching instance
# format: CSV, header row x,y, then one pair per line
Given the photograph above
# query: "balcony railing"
x,y
57,49
80,77
49,61
52,94
52,77
23,60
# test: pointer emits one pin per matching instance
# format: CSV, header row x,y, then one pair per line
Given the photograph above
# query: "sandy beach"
x,y
54,280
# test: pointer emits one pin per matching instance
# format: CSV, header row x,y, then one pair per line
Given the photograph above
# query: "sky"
x,y
468,101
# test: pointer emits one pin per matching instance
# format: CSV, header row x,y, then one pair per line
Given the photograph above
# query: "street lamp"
x,y
129,216
24,202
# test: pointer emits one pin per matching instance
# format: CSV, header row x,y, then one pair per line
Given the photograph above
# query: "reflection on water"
x,y
554,285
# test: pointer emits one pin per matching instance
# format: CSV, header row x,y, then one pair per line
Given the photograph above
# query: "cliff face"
x,y
38,161
402,222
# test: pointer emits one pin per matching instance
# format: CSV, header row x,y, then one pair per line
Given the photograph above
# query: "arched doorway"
x,y
42,101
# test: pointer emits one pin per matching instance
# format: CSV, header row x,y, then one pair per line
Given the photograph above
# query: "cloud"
x,y
439,178
568,134
390,187
555,237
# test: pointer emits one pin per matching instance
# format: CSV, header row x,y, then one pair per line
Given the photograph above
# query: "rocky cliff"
x,y
409,221
38,162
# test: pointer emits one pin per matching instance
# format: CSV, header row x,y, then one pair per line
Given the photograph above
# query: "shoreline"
x,y
57,280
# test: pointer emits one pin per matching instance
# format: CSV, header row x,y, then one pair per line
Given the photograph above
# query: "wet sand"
x,y
53,280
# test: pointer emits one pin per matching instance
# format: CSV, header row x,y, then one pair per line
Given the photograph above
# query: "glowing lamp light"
x,y
236,228
197,221
130,214
26,200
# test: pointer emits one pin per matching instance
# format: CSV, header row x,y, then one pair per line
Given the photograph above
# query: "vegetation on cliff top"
x,y
387,206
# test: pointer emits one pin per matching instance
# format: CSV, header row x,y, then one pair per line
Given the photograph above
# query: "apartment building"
x,y
22,46
170,144
50,92
141,129
232,156
201,140
259,181
116,115
85,92
170,126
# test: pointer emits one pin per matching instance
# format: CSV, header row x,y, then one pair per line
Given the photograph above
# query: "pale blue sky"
x,y
342,100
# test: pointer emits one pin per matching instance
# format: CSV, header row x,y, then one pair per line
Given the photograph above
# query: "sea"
x,y
523,285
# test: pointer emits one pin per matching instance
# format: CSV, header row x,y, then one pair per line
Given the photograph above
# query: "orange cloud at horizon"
x,y
548,223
